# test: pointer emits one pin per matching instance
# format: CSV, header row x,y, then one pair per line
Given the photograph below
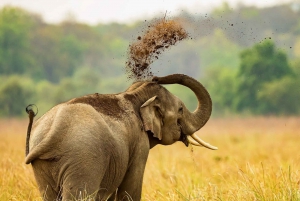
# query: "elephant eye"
x,y
178,123
180,110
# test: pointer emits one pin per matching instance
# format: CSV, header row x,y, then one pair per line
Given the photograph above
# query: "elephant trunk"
x,y
192,121
196,120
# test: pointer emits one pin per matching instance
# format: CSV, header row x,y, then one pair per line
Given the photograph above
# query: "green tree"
x,y
83,82
44,92
282,95
57,53
220,82
71,54
15,35
15,94
260,64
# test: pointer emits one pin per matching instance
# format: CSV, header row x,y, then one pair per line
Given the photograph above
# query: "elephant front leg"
x,y
130,189
131,186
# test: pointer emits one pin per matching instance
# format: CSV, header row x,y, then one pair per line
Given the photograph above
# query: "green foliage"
x,y
58,54
15,94
71,53
221,86
44,96
296,67
83,82
259,65
15,25
282,96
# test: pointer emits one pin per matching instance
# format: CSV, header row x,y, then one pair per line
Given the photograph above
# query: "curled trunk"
x,y
192,121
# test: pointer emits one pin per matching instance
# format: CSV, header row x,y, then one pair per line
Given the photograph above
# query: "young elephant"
x,y
96,144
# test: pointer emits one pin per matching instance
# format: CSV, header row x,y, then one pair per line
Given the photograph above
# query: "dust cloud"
x,y
159,36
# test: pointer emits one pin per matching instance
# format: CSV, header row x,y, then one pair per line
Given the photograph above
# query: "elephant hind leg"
x,y
80,187
44,178
113,197
49,194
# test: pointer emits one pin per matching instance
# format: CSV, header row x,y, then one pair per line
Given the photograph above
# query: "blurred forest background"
x,y
248,58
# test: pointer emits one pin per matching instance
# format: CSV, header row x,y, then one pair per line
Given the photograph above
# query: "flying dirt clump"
x,y
159,36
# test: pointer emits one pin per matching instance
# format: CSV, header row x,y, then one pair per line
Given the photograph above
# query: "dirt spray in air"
x,y
160,36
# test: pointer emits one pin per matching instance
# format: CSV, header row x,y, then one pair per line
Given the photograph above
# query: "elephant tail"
x,y
31,115
42,138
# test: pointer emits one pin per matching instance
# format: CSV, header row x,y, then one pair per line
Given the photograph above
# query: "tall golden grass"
x,y
258,159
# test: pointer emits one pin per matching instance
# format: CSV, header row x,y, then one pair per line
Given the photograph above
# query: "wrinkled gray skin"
x,y
93,145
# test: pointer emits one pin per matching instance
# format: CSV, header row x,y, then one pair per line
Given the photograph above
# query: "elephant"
x,y
96,146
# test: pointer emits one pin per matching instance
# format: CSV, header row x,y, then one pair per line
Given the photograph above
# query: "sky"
x,y
123,11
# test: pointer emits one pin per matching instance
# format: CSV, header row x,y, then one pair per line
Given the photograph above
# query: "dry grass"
x,y
17,180
258,159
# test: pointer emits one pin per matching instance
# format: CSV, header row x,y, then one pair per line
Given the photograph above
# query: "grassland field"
x,y
258,159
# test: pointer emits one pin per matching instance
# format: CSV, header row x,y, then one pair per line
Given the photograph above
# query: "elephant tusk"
x,y
193,142
201,142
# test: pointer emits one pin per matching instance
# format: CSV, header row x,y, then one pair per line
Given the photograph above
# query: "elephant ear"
x,y
151,120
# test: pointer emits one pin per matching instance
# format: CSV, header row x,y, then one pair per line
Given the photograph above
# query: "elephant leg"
x,y
43,175
131,186
130,189
51,195
113,196
80,186
47,192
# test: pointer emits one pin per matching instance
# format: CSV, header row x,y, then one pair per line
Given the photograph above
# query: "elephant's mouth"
x,y
183,138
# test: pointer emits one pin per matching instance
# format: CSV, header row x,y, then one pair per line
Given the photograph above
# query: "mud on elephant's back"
x,y
105,104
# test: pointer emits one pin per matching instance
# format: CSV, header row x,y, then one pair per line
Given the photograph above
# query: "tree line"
x,y
249,65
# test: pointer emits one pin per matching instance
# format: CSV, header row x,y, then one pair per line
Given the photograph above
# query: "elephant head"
x,y
165,118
